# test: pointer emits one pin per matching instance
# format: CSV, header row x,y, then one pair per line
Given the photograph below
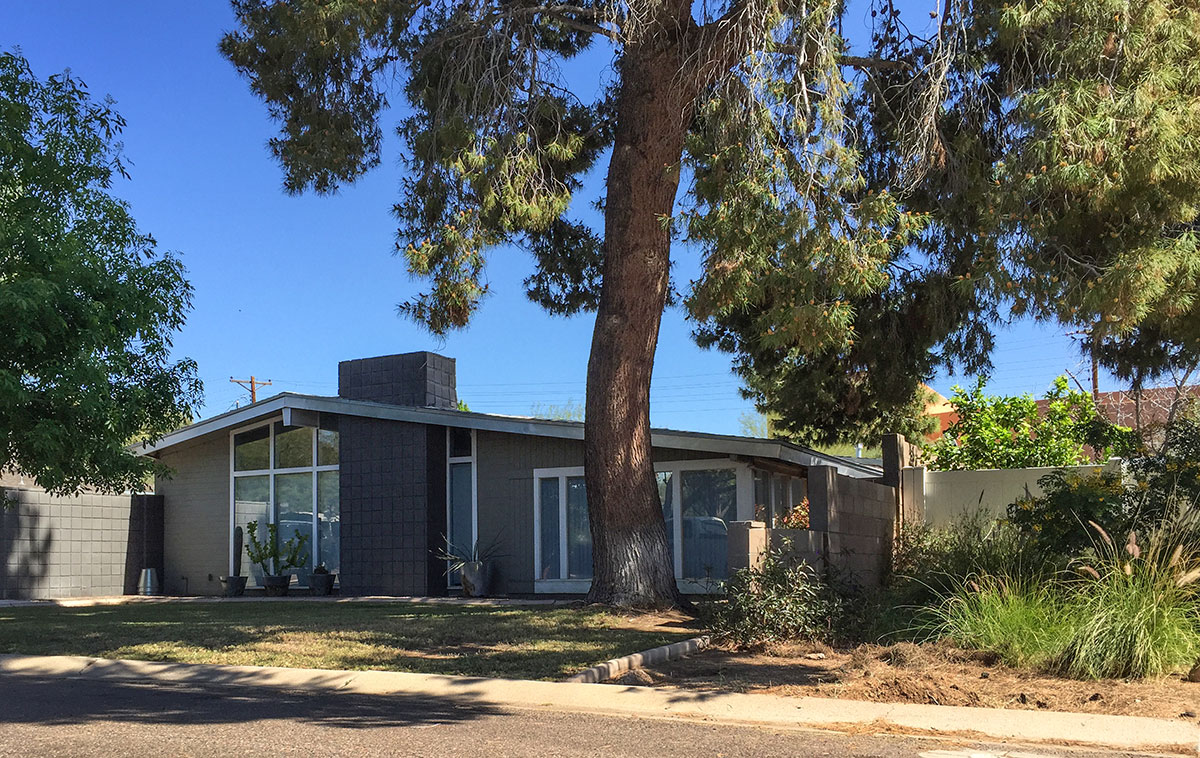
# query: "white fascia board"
x,y
300,404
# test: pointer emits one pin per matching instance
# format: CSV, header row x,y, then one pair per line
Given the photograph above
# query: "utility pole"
x,y
251,384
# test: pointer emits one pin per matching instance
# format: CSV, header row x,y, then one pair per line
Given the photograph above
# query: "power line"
x,y
251,384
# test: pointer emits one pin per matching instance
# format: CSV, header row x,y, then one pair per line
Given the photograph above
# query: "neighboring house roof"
x,y
288,403
939,408
1121,407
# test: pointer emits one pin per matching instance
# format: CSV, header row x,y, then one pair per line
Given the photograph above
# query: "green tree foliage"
x,y
88,305
1057,178
746,101
1009,432
852,238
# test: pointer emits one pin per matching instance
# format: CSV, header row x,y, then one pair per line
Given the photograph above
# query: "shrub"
x,y
782,600
1136,611
1158,485
1056,521
1168,478
930,563
1020,620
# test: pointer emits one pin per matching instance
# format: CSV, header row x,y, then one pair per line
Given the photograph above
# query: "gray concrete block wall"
x,y
385,507
419,379
196,538
857,519
54,547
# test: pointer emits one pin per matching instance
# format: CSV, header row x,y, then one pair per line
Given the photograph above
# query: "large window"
x,y
461,526
699,499
709,503
288,476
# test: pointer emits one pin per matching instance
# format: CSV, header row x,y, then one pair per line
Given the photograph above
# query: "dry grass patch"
x,y
527,643
935,674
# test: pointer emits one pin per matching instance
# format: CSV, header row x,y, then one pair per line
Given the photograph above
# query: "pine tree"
x,y
745,104
1060,181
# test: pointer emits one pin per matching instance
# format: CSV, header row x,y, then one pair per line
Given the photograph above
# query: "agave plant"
x,y
457,556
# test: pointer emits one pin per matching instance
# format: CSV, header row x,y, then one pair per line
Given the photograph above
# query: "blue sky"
x,y
288,286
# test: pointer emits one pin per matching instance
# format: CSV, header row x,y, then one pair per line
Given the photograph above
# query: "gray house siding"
x,y
504,470
392,505
196,516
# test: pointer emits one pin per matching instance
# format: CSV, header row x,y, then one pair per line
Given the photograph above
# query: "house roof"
x,y
1121,406
289,402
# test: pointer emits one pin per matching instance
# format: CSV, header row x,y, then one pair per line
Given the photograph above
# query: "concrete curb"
x,y
1090,730
612,669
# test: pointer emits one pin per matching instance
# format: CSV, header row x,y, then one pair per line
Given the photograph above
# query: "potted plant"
x,y
320,581
269,554
235,585
474,566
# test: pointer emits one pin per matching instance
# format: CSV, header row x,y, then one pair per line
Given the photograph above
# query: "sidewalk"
x,y
1101,731
87,602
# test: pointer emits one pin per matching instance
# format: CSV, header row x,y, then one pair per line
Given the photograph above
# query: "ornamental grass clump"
x,y
1021,620
1136,608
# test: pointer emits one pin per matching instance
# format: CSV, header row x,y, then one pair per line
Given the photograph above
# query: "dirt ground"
x,y
906,673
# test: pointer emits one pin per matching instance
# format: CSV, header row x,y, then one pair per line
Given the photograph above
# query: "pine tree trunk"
x,y
631,560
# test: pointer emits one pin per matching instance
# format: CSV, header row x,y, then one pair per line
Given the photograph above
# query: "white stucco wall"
x,y
949,494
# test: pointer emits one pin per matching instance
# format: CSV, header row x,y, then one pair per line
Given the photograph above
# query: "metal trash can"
x,y
148,583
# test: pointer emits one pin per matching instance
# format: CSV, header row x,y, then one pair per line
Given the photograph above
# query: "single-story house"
x,y
378,476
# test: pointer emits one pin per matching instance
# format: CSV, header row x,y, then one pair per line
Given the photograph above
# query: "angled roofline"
x,y
700,441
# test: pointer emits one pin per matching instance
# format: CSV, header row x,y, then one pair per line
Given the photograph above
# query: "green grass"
x,y
526,643
1139,613
1026,623
1132,611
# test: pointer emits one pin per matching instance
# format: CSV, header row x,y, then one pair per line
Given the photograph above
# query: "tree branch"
x,y
558,11
853,61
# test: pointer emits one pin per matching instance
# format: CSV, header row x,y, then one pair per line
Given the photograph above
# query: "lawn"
x,y
525,643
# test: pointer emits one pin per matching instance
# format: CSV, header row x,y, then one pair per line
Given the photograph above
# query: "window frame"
x,y
450,461
270,472
744,511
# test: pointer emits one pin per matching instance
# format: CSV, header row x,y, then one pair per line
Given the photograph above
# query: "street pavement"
x,y
63,717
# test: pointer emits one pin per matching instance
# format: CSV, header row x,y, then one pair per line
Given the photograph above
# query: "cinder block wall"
x,y
53,547
851,527
392,474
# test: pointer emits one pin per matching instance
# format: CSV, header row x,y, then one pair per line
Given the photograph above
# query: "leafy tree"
x,y
88,305
755,424
745,102
1010,432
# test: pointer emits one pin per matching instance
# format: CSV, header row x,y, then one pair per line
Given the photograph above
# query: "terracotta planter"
x,y
276,585
321,584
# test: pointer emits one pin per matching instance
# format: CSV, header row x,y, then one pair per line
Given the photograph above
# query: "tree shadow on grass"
x,y
67,701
